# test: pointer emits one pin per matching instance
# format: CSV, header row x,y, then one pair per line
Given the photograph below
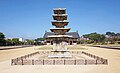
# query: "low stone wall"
x,y
18,60
24,60
99,59
56,62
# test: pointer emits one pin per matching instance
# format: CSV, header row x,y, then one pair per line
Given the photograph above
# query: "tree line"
x,y
108,37
15,41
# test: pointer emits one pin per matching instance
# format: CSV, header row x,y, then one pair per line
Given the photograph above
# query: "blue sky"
x,y
30,18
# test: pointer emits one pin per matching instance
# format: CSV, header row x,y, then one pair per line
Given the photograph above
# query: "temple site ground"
x,y
112,55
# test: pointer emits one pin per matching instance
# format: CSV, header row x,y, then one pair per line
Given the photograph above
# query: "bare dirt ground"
x,y
112,55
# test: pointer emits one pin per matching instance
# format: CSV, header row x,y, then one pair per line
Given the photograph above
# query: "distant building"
x,y
72,41
83,38
21,40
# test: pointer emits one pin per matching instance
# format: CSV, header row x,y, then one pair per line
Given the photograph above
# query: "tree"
x,y
9,42
2,39
30,42
110,33
117,34
112,37
15,41
39,41
95,37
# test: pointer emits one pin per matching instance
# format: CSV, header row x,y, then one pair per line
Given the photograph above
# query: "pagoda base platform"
x,y
60,50
59,54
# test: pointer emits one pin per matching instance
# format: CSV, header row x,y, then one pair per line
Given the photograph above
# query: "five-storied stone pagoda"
x,y
59,55
59,38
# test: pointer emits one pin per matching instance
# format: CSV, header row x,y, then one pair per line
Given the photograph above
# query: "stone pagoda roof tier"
x,y
59,24
60,17
60,31
59,14
60,37
59,10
